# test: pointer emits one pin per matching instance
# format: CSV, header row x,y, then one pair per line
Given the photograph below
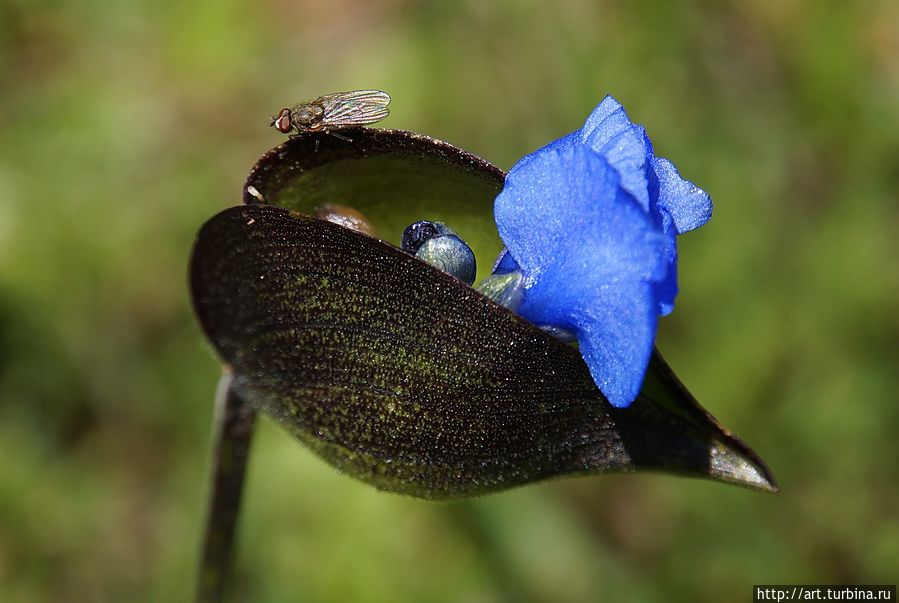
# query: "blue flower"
x,y
589,223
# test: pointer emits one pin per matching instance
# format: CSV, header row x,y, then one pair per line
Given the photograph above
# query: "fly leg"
x,y
340,136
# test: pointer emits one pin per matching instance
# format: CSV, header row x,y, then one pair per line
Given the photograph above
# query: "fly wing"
x,y
356,108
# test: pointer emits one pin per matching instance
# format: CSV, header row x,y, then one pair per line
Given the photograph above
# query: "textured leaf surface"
x,y
401,376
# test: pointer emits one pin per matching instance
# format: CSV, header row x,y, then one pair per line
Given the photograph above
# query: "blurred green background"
x,y
124,126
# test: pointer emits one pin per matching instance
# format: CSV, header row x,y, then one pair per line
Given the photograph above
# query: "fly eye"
x,y
282,122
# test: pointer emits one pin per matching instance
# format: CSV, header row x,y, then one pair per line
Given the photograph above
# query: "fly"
x,y
333,112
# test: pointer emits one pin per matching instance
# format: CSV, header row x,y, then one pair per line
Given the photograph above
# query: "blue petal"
x,y
614,322
666,289
562,213
566,142
689,205
591,221
615,334
505,263
626,147
590,256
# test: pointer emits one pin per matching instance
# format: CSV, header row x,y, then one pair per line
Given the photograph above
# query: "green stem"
x,y
233,432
